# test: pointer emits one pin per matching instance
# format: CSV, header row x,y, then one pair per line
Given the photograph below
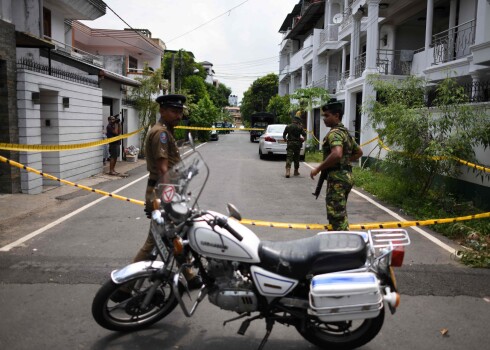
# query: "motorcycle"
x,y
332,287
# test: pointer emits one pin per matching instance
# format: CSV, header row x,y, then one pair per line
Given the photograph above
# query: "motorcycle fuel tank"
x,y
217,242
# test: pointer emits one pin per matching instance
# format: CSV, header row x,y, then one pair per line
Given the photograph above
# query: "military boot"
x,y
296,172
288,172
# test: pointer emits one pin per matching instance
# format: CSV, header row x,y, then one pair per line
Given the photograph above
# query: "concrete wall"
x,y
9,176
51,123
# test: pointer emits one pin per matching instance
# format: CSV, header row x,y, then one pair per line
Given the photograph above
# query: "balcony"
x,y
388,62
394,62
341,82
77,54
454,43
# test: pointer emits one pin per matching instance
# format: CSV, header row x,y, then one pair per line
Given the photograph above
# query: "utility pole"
x,y
172,75
180,70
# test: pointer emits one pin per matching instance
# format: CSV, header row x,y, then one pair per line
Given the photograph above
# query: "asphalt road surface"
x,y
47,284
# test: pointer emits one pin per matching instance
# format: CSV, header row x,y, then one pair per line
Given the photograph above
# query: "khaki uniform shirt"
x,y
160,143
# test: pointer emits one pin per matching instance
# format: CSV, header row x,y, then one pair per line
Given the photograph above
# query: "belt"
x,y
152,183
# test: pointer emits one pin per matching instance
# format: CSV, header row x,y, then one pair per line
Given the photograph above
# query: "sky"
x,y
239,37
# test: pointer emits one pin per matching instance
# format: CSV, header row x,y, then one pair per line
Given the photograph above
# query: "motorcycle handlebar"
x,y
223,222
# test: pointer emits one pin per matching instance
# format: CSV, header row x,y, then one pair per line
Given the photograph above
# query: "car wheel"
x,y
261,155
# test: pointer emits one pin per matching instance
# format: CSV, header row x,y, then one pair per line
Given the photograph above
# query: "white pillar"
x,y
354,44
482,33
344,58
372,40
303,76
475,90
429,18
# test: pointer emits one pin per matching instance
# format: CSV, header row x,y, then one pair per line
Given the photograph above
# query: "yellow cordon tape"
x,y
205,128
57,148
368,226
464,162
86,188
299,226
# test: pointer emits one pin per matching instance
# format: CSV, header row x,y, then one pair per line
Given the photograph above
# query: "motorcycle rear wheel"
x,y
341,335
127,315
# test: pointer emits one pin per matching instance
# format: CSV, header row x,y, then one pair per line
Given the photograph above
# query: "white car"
x,y
271,142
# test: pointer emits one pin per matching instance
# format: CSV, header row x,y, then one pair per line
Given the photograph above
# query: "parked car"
x,y
271,142
213,135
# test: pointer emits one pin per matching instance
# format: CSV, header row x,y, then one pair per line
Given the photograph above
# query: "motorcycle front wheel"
x,y
120,307
341,335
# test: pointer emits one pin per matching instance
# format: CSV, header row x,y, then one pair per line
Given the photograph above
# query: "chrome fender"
x,y
137,269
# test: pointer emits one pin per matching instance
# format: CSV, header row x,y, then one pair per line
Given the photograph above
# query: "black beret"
x,y
333,104
171,101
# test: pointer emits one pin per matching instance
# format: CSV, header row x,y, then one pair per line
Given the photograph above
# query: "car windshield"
x,y
260,125
276,129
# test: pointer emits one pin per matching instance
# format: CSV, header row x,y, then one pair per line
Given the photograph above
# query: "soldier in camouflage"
x,y
339,150
295,135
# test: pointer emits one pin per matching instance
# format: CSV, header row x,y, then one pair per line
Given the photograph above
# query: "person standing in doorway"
x,y
113,130
295,135
339,150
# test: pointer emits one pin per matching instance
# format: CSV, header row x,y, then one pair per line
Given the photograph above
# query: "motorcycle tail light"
x,y
397,256
178,246
269,139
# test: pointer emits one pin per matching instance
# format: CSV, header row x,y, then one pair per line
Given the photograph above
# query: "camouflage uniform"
x,y
160,143
339,180
292,133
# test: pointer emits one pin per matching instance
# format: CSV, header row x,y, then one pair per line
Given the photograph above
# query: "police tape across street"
x,y
302,226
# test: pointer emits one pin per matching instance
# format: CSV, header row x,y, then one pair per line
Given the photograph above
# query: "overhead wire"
x,y
211,20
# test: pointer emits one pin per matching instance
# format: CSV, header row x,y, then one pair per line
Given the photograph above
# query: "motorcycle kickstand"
x,y
269,324
236,318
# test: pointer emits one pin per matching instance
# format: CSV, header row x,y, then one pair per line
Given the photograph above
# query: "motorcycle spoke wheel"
x,y
341,335
120,307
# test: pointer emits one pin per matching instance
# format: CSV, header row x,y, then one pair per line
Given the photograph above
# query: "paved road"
x,y
47,285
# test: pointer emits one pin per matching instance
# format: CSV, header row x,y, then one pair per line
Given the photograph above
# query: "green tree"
x,y
280,106
144,96
307,98
426,140
204,114
194,88
219,95
257,97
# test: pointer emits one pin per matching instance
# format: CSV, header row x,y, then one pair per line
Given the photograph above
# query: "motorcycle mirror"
x,y
191,141
233,212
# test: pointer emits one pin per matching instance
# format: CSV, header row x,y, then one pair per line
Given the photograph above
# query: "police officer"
x,y
339,149
295,135
162,154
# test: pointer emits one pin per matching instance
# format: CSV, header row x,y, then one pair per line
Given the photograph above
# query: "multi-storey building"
x,y
336,44
60,80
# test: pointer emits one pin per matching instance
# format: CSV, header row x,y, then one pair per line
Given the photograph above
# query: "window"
x,y
132,64
46,22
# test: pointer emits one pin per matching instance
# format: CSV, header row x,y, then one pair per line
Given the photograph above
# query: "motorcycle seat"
x,y
325,253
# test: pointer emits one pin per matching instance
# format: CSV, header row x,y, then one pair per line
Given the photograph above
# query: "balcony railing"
x,y
392,62
395,62
29,64
478,91
359,65
454,43
79,55
341,82
331,33
346,19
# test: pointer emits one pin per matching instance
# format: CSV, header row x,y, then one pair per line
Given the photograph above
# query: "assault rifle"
x,y
319,185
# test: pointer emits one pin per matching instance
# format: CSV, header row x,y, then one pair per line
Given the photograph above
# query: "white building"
x,y
335,44
62,81
233,100
208,66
